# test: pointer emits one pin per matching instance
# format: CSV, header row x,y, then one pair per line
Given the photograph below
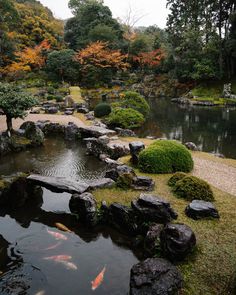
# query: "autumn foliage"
x,y
149,59
29,59
99,55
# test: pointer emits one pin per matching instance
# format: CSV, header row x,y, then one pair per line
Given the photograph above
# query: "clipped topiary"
x,y
165,156
125,118
193,188
176,177
102,109
135,101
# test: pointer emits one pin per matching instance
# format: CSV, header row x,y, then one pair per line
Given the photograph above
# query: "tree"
x,y
61,65
14,103
149,60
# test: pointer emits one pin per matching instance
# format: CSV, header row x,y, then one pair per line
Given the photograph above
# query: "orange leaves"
x,y
29,59
99,55
151,59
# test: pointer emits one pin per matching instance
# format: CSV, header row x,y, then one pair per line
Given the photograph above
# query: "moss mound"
x,y
136,101
165,156
125,118
176,177
102,109
193,188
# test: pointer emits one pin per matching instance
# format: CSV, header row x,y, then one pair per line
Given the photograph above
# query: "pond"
x,y
212,129
27,242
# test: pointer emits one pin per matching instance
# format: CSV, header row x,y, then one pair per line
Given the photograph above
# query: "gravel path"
x,y
220,175
33,117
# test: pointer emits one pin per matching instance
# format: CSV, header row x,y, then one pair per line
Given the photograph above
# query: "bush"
x,y
50,90
59,98
125,118
193,188
102,109
165,156
136,101
50,97
176,177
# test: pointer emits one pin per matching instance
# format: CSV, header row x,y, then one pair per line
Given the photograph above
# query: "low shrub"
x,y
176,177
193,188
135,101
50,90
165,156
50,97
125,118
102,109
59,98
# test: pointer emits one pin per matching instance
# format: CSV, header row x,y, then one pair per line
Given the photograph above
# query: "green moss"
x,y
102,109
176,177
165,156
193,188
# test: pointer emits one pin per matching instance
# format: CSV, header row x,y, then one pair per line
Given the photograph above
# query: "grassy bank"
x,y
210,270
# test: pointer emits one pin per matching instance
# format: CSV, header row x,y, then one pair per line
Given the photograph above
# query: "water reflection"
x,y
213,129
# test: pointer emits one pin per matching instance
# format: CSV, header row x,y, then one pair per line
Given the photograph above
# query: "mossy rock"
x,y
165,156
193,188
176,177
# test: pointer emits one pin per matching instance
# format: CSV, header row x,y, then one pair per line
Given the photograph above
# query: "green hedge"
x,y
176,177
125,118
165,156
135,101
193,188
102,109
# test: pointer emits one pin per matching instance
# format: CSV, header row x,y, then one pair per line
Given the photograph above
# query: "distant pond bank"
x,y
212,129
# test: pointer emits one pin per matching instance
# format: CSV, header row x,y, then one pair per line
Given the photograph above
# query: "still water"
x,y
25,240
212,129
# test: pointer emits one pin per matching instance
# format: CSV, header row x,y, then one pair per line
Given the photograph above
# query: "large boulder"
x,y
198,209
71,131
4,145
177,241
150,208
191,146
135,148
85,206
122,218
51,110
125,132
33,132
155,276
143,183
152,240
49,128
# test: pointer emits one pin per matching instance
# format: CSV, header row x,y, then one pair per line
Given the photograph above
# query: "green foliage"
x,y
51,90
176,177
59,98
165,156
125,118
102,109
193,188
136,101
14,102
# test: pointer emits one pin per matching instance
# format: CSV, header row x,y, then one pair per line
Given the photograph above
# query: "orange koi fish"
x,y
58,258
98,280
62,227
56,235
69,265
53,246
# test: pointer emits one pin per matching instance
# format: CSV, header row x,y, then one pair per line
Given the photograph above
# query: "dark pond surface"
x,y
212,129
25,240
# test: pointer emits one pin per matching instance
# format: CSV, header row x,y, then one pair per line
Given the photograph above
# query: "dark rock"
x,y
82,110
181,100
121,217
135,148
117,150
33,132
90,116
154,209
71,132
51,128
112,174
85,206
104,139
177,241
126,176
143,183
4,145
152,240
198,209
125,132
68,113
111,163
155,276
51,110
191,146
58,184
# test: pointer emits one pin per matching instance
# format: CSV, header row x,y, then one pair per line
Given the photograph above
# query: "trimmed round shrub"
x,y
59,98
135,101
165,156
176,177
102,109
125,118
193,188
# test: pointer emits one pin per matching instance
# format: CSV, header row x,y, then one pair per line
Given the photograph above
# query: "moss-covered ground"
x,y
211,269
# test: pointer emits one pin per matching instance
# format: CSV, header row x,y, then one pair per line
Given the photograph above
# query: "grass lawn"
x,y
211,268
75,92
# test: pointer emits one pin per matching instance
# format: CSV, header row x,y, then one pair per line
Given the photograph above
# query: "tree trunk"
x,y
9,125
